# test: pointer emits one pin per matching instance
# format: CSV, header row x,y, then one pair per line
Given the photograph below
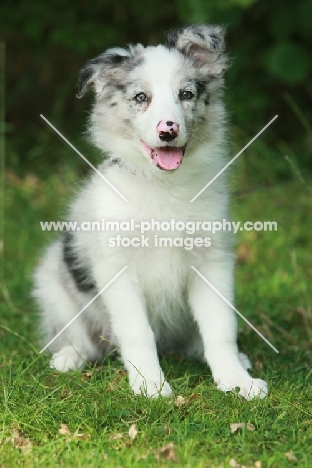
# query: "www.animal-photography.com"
x,y
155,235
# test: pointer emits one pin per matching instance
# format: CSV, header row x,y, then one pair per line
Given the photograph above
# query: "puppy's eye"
x,y
140,97
186,95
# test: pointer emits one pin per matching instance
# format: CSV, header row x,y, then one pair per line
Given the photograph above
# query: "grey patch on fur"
x,y
109,67
80,274
202,91
201,87
121,88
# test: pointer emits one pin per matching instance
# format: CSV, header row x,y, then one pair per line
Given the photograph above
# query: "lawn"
x,y
92,419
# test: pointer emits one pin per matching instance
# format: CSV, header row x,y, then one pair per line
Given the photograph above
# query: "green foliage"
x,y
288,62
48,42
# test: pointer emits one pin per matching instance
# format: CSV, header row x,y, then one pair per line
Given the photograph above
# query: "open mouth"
x,y
167,158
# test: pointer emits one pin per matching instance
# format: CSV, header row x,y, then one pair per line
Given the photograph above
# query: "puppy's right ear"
x,y
98,71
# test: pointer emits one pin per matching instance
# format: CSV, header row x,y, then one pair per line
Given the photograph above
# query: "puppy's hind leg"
x,y
195,348
57,306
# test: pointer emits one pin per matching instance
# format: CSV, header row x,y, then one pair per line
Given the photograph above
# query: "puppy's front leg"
x,y
217,324
126,307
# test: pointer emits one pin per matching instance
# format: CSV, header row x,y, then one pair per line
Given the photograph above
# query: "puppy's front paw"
x,y
150,388
249,388
66,359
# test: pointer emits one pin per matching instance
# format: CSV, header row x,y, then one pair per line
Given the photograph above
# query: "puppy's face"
x,y
152,102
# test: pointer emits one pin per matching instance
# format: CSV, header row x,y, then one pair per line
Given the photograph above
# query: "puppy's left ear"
x,y
204,44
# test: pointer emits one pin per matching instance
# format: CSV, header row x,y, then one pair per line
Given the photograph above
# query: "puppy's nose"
x,y
167,130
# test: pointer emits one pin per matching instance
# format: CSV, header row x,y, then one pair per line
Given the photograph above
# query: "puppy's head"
x,y
154,104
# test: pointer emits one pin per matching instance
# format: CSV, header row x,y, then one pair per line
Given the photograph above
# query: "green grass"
x,y
273,289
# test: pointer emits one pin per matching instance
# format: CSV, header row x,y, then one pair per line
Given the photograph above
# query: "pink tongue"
x,y
167,158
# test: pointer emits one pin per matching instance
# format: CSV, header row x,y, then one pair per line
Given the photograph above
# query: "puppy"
x,y
160,122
